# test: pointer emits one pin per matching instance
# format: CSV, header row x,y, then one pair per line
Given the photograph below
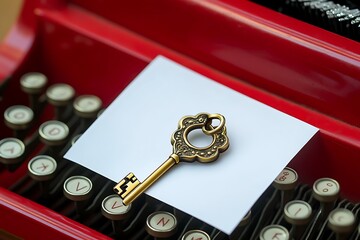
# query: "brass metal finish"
x,y
129,188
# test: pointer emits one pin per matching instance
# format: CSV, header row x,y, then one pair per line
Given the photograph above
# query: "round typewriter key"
x,y
245,220
33,83
286,180
113,208
341,221
75,138
326,190
195,234
77,188
161,224
60,94
18,117
11,150
87,106
297,212
100,112
274,232
53,132
42,168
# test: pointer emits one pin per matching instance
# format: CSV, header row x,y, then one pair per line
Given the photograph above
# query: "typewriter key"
x,y
298,213
33,83
60,94
326,190
11,151
272,232
18,117
42,168
75,138
87,106
195,234
342,222
53,133
77,188
113,208
246,219
100,112
129,188
241,226
161,224
286,181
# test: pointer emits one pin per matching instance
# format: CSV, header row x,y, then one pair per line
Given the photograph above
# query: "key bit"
x,y
129,188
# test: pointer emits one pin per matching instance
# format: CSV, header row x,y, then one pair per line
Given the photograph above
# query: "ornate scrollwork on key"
x,y
186,151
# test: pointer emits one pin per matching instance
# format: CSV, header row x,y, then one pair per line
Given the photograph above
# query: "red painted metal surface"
x,y
282,55
265,55
28,220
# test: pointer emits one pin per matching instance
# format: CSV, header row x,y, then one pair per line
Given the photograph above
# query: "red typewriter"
x,y
301,57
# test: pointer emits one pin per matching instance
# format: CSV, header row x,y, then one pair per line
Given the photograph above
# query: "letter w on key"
x,y
129,188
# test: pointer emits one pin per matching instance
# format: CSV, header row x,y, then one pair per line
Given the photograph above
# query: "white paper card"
x,y
133,135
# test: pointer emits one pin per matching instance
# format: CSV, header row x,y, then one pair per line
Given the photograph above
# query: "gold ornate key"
x,y
129,188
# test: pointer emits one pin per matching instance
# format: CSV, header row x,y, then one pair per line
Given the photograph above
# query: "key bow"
x,y
188,152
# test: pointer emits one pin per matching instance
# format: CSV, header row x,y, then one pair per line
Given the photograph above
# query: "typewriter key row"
x,y
286,210
339,16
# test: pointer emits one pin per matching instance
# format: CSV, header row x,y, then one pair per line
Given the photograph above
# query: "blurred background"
x,y
9,10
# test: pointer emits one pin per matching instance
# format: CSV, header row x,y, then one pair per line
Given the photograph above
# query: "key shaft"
x,y
171,161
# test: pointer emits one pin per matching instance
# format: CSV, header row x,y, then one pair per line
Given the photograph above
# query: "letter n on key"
x,y
126,185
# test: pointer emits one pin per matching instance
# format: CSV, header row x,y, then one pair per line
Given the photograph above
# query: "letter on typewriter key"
x,y
42,168
113,208
53,133
298,213
342,222
11,151
326,191
286,181
77,188
161,224
274,232
195,234
18,118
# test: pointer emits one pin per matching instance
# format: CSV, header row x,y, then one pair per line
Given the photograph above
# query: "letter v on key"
x,y
77,188
115,205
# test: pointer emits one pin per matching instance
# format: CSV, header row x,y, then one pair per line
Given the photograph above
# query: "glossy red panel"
x,y
295,60
265,55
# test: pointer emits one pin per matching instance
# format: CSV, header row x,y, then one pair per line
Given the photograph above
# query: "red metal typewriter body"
x,y
100,46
